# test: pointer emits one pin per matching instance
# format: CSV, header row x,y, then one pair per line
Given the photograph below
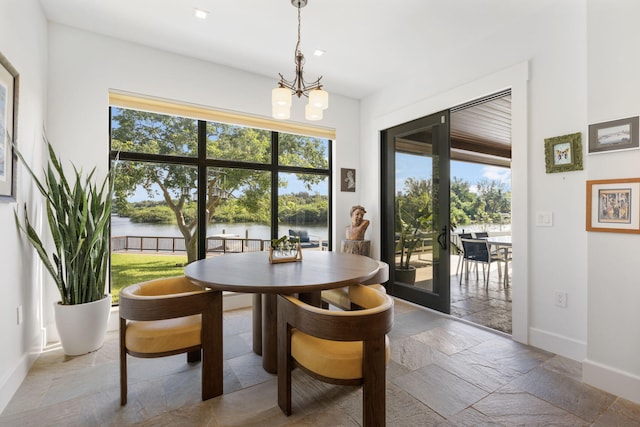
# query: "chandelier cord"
x,y
298,81
299,26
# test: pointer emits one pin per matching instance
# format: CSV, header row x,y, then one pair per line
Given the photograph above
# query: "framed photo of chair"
x,y
613,205
563,153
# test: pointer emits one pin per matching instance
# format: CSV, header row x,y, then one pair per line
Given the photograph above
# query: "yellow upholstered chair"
x,y
164,317
340,297
338,347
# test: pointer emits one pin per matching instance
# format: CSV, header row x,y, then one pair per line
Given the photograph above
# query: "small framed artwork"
x,y
563,153
8,126
348,179
613,205
614,135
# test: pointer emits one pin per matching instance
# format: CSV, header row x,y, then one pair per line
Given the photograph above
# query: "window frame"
x,y
203,164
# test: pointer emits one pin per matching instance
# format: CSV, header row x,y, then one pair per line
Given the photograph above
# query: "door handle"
x,y
442,237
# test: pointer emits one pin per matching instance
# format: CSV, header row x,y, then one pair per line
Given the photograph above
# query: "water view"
x,y
122,226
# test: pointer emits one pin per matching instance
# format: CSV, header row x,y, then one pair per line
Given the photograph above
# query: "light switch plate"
x,y
544,219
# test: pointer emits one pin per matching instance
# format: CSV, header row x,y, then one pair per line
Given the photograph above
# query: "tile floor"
x,y
442,372
487,305
472,300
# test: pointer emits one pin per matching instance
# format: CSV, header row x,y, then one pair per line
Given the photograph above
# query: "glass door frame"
x,y
440,299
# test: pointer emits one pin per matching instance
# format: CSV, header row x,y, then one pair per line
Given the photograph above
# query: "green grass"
x,y
127,269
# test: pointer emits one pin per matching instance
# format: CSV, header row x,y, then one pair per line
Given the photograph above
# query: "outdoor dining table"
x,y
502,243
253,273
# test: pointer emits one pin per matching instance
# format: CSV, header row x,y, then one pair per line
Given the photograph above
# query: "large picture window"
x,y
186,189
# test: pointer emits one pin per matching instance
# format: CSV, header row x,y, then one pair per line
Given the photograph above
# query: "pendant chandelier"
x,y
282,95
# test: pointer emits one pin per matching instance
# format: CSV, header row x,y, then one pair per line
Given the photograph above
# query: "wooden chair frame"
x,y
369,325
169,306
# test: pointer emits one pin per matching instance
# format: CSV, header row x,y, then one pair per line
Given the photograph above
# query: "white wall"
x,y
613,360
601,324
24,21
555,102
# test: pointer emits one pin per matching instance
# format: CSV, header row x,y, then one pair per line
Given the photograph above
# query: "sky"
x,y
409,167
420,167
406,166
417,167
474,172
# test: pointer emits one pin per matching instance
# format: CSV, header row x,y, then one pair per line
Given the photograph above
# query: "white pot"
x,y
82,327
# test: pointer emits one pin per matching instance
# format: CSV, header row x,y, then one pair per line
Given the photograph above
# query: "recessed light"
x,y
319,52
200,14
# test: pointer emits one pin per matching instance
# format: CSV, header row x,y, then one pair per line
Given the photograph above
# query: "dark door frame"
x,y
439,125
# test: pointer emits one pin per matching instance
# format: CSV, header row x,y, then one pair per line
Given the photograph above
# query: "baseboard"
x,y
235,301
114,320
13,380
558,344
611,380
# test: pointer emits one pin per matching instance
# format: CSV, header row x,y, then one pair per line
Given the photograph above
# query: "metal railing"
x,y
176,244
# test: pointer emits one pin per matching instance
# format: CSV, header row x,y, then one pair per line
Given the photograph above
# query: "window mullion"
x,y
202,189
274,184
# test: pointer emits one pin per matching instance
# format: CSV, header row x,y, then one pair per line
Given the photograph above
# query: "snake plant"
x,y
78,216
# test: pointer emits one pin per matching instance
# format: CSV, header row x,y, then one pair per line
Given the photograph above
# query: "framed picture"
x,y
8,126
563,153
348,179
614,135
613,205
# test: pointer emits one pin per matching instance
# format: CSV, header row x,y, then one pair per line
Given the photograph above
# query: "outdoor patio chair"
x,y
458,249
478,251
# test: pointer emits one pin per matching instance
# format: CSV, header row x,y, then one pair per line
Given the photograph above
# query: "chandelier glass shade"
x,y
281,97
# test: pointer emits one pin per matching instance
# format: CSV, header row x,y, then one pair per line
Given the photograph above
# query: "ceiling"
x,y
480,132
368,44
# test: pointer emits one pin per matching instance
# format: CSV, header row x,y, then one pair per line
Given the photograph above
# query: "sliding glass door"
x,y
415,195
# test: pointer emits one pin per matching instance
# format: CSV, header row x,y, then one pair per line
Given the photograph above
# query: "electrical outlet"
x,y
19,314
561,299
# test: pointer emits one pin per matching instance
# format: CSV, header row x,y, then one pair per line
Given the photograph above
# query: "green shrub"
x,y
153,215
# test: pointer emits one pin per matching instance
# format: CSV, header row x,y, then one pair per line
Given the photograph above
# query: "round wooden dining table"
x,y
253,273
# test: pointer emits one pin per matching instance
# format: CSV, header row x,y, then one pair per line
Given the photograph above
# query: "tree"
x,y
416,196
462,200
493,200
490,203
151,133
414,214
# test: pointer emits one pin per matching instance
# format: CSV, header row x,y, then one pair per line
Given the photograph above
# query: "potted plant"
x,y
78,217
409,225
